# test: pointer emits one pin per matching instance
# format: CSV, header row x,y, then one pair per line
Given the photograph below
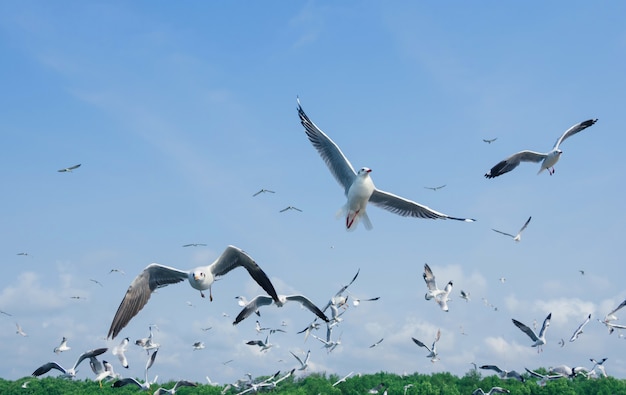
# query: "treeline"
x,y
435,384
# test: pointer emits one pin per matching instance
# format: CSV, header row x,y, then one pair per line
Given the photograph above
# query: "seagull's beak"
x,y
196,276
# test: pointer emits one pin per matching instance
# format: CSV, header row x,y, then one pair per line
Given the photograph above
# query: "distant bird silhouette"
x,y
69,169
262,191
290,208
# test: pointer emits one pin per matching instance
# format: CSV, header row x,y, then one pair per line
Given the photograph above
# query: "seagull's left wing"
x,y
336,161
579,127
501,232
407,208
579,330
526,330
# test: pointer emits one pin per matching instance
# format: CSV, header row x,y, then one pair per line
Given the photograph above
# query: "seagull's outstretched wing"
x,y
525,225
233,257
429,278
419,343
546,324
89,354
152,277
339,165
306,302
45,368
610,316
501,232
526,330
407,208
573,130
579,330
252,306
492,367
513,161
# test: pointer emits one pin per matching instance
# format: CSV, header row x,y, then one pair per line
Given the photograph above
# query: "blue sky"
x,y
179,115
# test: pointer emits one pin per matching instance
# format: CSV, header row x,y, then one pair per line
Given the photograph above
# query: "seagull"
x,y
539,340
599,365
146,384
357,301
338,299
19,330
117,271
290,208
25,384
611,316
69,169
265,345
359,187
505,374
22,253
489,141
120,350
313,325
262,191
440,295
493,390
303,364
201,278
69,373
518,236
96,281
341,380
377,343
102,370
544,377
179,383
465,295
548,159
194,245
146,343
263,300
579,330
198,346
436,188
329,344
62,347
566,371
5,313
562,342
433,349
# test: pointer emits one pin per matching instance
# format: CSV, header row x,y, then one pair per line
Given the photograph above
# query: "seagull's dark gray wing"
x,y
501,232
546,324
89,354
526,330
513,161
429,278
252,306
579,127
233,257
492,367
306,302
128,380
152,277
525,224
407,208
419,343
45,368
336,161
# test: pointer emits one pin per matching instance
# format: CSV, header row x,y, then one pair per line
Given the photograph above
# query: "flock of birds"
x,y
359,190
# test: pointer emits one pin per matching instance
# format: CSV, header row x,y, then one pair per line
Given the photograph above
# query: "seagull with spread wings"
x,y
264,300
540,339
201,278
146,383
358,186
579,330
518,236
69,373
432,351
69,169
440,295
548,159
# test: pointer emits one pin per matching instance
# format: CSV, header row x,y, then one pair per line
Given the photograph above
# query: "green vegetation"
x,y
435,384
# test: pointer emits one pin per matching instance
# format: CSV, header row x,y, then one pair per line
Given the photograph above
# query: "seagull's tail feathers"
x,y
366,221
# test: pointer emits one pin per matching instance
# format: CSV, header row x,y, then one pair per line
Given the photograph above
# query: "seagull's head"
x,y
428,296
364,171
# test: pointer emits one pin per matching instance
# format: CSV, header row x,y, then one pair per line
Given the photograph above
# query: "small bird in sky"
x,y
62,347
262,191
194,245
377,343
436,188
518,236
579,330
22,253
290,208
69,169
489,141
96,281
19,330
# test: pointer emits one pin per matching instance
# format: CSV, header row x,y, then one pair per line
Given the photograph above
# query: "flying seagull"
x,y
19,330
377,343
436,188
489,141
504,374
146,383
45,368
539,340
344,378
493,390
440,295
62,347
303,364
518,236
548,159
263,300
69,169
465,295
201,278
194,245
262,191
120,350
432,351
579,330
359,187
290,208
179,383
544,377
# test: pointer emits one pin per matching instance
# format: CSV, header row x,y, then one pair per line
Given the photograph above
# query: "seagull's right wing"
x,y
608,316
513,161
501,232
546,324
45,368
429,278
89,354
152,277
492,367
579,127
335,159
407,208
419,343
306,302
526,330
525,225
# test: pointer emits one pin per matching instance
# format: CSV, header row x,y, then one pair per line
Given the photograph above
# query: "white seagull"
x,y
119,351
377,343
179,383
440,295
69,169
432,351
579,330
303,364
504,374
359,187
146,383
436,188
19,330
539,340
263,300
198,346
548,159
465,295
201,278
69,373
544,377
518,236
493,390
290,208
62,347
344,378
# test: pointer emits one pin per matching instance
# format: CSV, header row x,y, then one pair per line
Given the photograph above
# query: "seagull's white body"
x,y
62,347
548,159
518,236
358,186
566,371
201,278
579,330
538,339
19,330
